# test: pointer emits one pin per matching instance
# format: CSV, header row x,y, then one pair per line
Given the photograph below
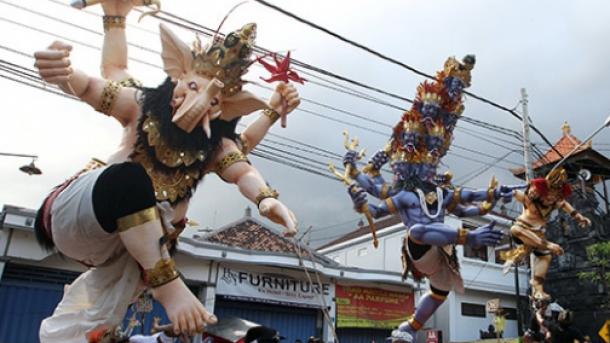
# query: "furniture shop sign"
x,y
363,307
271,288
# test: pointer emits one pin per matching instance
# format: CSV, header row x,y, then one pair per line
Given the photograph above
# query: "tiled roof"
x,y
248,234
564,146
363,230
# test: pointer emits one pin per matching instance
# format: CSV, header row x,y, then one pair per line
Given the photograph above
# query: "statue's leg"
x,y
542,261
125,203
426,259
426,307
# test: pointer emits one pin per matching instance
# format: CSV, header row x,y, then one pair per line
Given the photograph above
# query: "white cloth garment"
x,y
101,295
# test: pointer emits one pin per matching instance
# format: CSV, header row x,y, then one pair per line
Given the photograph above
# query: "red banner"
x,y
361,307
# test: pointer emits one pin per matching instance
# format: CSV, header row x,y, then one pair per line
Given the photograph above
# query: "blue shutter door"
x,y
27,296
292,322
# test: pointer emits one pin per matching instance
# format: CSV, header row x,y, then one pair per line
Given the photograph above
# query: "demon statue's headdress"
x,y
424,133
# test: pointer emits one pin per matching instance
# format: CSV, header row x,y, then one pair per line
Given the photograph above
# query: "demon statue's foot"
x,y
184,310
399,336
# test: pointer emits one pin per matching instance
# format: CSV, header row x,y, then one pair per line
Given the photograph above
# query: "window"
x,y
510,313
477,253
473,310
362,252
499,259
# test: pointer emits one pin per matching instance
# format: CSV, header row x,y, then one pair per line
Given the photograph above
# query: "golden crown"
x,y
458,69
431,98
226,59
437,130
557,178
411,125
430,158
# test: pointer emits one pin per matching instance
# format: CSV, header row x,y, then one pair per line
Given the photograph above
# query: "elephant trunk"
x,y
195,108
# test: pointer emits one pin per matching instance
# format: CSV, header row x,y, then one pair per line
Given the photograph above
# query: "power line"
x,y
207,31
396,62
304,110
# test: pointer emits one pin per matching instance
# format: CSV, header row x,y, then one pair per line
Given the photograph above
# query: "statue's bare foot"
x,y
184,310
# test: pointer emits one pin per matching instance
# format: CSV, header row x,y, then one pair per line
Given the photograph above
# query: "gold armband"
x,y
457,199
131,82
265,193
135,219
462,236
438,297
113,21
370,170
109,96
390,204
163,272
485,207
415,324
272,114
230,159
385,189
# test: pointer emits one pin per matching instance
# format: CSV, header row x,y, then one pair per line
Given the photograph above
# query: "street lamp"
x,y
29,169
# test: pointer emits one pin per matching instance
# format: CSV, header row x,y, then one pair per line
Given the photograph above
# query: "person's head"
x,y
263,334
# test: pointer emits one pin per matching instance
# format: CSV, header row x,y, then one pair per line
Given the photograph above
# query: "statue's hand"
x,y
285,98
280,214
484,236
555,249
118,7
54,63
358,196
506,192
583,221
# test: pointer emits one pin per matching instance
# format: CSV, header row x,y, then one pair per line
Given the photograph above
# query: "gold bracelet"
x,y
109,95
230,159
457,199
485,207
391,207
265,193
385,189
130,82
462,236
491,194
162,273
272,114
113,21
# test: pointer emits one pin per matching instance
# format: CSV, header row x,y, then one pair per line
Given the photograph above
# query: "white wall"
x,y
466,328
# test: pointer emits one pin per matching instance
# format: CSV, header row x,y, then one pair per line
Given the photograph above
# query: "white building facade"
x,y
462,315
240,270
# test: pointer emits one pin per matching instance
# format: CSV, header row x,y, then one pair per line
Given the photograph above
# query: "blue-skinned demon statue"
x,y
422,198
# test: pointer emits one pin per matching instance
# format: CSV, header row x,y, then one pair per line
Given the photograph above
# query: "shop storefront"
x,y
366,314
290,304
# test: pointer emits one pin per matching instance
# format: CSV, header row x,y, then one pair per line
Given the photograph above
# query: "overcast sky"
x,y
557,50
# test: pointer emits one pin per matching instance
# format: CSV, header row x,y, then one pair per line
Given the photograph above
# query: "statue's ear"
x,y
240,104
177,56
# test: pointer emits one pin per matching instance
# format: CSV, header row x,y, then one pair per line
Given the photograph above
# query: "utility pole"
x,y
527,147
529,174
